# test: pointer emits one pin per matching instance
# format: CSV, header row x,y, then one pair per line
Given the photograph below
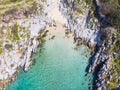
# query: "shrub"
x,y
14,33
1,50
8,46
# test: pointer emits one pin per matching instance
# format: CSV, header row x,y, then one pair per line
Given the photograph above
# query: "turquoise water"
x,y
58,67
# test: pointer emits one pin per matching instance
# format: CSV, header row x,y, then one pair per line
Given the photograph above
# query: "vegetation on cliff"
x,y
8,5
111,9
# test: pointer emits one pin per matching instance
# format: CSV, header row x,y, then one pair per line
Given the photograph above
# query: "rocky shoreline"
x,y
19,46
79,24
30,26
83,25
20,56
101,60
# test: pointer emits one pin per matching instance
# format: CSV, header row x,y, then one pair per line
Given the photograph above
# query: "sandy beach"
x,y
58,26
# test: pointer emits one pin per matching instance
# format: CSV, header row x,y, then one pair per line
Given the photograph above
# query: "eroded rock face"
x,y
89,30
18,54
103,56
80,22
18,41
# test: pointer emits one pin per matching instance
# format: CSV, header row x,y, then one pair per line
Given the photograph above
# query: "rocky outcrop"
x,y
90,30
20,55
102,57
27,33
84,27
19,44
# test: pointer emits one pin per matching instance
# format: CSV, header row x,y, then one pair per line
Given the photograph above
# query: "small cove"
x,y
58,67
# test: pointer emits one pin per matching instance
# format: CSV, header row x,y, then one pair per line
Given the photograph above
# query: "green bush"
x,y
8,46
1,50
14,33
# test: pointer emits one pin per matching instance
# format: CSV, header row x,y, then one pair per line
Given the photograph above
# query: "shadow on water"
x,y
103,23
94,73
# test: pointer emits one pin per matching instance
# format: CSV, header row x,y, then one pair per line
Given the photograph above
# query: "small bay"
x,y
59,66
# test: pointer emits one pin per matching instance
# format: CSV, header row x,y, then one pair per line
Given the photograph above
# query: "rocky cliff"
x,y
92,27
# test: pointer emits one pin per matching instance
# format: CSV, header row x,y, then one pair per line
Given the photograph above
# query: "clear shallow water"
x,y
58,67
